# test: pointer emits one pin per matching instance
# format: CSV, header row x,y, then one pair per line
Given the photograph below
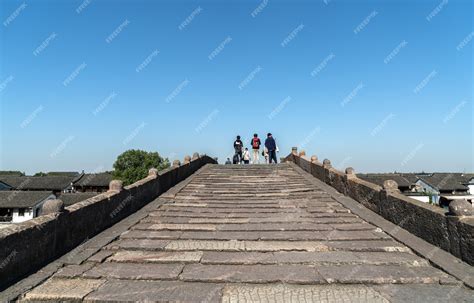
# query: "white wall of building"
x,y
29,213
425,199
17,218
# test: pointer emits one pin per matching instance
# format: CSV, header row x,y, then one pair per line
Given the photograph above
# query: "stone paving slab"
x,y
301,293
153,291
384,274
252,273
320,258
148,244
134,271
156,257
63,289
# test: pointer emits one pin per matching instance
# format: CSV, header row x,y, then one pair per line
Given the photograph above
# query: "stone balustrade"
x,y
27,246
452,231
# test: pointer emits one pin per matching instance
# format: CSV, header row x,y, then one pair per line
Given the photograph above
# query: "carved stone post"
x,y
52,206
187,159
152,172
115,186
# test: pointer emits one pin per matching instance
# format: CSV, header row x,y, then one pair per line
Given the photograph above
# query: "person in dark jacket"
x,y
271,146
238,147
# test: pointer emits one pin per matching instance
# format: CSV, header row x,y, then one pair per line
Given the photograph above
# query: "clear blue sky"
x,y
377,85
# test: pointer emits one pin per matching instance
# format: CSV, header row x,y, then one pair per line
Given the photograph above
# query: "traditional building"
x,y
56,184
404,185
20,206
444,187
92,182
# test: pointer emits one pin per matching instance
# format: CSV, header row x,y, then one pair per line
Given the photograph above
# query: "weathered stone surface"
x,y
147,244
301,293
461,208
182,227
53,206
231,225
63,289
375,245
100,256
402,293
251,273
206,245
156,257
321,258
383,274
73,271
153,291
133,271
146,234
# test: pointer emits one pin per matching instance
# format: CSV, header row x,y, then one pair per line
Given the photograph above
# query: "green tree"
x,y
133,165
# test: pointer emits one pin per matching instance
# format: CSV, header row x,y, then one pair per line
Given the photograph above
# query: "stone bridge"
x,y
229,233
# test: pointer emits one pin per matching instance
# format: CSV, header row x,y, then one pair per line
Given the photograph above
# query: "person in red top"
x,y
255,143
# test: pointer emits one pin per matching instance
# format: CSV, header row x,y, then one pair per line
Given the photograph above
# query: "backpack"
x,y
238,146
255,143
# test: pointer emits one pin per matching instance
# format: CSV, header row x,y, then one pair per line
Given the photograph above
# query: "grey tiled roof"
x,y
380,178
72,198
99,179
22,199
55,183
446,181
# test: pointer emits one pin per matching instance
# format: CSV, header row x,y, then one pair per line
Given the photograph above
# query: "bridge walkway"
x,y
251,234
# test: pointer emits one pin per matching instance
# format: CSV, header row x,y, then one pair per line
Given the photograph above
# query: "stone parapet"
x,y
453,231
27,246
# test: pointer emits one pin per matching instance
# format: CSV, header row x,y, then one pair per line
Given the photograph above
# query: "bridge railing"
x,y
453,232
27,246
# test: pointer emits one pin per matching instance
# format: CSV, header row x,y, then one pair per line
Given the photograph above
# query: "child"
x,y
246,156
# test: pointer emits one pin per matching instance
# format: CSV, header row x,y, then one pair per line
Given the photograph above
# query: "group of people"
x,y
242,155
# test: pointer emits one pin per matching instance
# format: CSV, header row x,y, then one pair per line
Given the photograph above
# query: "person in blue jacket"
x,y
271,146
